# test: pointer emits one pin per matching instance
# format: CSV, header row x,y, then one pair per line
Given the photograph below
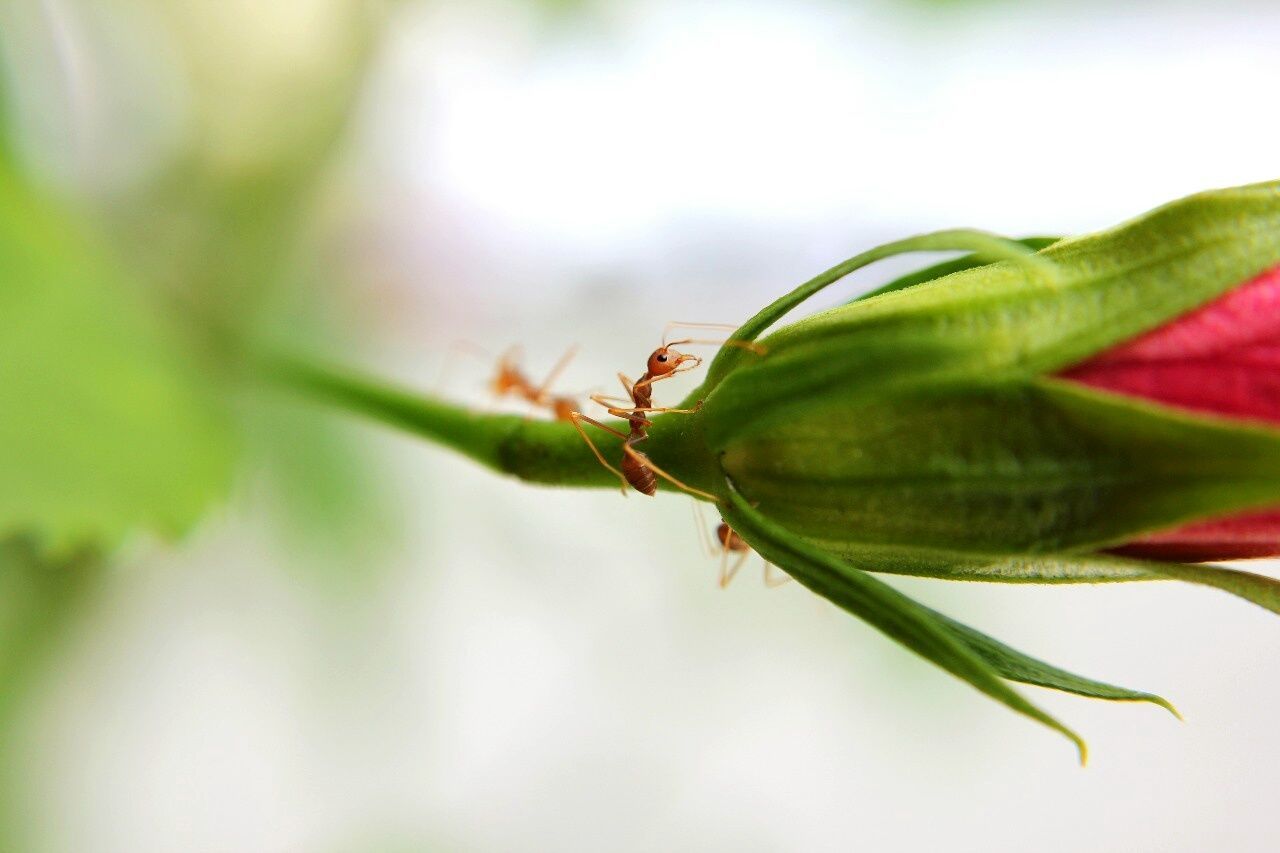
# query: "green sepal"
x,y
1016,467
1004,319
945,268
1051,568
989,246
884,608
1018,666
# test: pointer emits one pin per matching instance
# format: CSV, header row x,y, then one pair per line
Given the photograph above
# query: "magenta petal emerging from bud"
x,y
1222,359
1239,537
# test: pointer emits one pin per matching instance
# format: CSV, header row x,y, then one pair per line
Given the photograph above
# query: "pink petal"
x,y
1239,537
1221,359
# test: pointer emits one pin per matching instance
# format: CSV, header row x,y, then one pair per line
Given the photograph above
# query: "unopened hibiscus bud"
x,y
1095,409
1003,424
938,416
958,414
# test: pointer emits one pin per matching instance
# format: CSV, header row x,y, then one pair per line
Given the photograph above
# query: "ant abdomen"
x,y
639,475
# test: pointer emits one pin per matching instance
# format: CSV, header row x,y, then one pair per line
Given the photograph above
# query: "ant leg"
x,y
700,524
624,411
574,418
607,400
540,393
644,460
727,572
511,356
621,413
772,580
447,366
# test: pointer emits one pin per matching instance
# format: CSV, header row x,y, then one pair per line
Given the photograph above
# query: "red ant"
x,y
730,541
638,470
511,381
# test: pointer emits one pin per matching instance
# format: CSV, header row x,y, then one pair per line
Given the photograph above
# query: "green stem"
x,y
537,451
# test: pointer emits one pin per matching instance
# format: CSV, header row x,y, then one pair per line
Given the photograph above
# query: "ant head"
x,y
506,374
665,361
501,383
505,378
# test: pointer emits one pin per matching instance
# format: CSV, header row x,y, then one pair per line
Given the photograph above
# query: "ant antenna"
x,y
456,348
556,371
678,324
752,346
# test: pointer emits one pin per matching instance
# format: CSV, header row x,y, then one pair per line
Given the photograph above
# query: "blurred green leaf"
x,y
38,595
331,512
245,243
5,117
107,426
42,598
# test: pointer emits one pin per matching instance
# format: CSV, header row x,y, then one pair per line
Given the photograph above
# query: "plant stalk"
x,y
536,451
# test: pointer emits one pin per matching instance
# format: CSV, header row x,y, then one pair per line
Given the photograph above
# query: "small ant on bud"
x,y
638,471
729,542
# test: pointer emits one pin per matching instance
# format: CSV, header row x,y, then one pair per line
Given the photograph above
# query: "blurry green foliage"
x,y
332,512
41,599
107,425
135,304
37,594
125,308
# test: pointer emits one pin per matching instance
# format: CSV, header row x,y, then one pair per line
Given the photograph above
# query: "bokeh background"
x,y
371,645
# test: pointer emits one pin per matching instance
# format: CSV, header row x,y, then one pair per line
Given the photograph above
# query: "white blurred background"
x,y
486,666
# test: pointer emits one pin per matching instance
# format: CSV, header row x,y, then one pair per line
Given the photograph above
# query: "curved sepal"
x,y
945,268
1052,568
998,320
1018,666
884,608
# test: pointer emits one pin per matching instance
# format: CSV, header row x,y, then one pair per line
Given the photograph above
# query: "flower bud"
x,y
964,415
1033,420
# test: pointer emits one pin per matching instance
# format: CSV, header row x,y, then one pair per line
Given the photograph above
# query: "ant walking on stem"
x,y
638,471
511,381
